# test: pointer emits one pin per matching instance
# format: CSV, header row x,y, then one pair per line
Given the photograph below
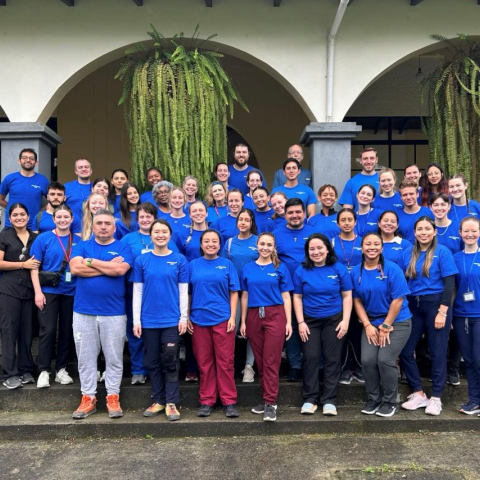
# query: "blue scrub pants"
x,y
135,345
467,331
294,345
424,309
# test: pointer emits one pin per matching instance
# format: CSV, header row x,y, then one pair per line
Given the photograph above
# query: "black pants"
x,y
352,349
57,307
322,339
16,327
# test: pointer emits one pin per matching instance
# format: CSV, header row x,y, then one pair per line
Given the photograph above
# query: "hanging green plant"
x,y
175,101
452,95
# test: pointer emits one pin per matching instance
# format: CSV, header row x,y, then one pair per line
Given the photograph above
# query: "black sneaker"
x,y
346,377
453,379
387,409
294,375
370,407
27,378
358,376
259,409
403,379
13,382
270,414
204,411
231,411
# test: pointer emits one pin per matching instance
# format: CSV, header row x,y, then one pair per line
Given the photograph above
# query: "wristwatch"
x,y
89,262
386,326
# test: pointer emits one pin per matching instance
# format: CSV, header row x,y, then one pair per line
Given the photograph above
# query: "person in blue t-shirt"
x,y
119,178
462,206
368,160
240,168
153,176
262,210
188,241
411,211
161,284
99,319
431,274
26,187
322,299
94,203
290,240
126,217
78,190
178,219
55,302
447,229
214,287
388,198
379,297
254,180
101,185
305,177
326,220
293,189
367,217
216,199
277,201
190,186
267,318
161,195
227,225
466,310
222,173
393,245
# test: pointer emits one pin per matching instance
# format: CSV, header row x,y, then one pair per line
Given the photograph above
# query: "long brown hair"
x,y
412,266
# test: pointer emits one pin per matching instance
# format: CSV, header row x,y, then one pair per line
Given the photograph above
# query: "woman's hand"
x,y
40,300
372,335
189,326
137,330
288,331
243,330
440,320
182,327
384,338
342,329
231,324
303,331
31,264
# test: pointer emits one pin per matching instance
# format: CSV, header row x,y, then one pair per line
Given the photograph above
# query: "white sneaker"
x,y
63,377
43,380
434,406
248,374
415,400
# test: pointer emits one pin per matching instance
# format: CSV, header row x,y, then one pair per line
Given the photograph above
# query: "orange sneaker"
x,y
86,408
172,412
113,406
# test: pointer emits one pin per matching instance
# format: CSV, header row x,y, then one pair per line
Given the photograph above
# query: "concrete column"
x,y
330,151
14,136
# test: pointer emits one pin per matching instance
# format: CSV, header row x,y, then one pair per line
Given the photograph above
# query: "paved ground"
x,y
420,456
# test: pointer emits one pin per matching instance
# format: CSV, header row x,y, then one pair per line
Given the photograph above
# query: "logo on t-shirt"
x,y
333,277
272,274
172,263
35,186
253,248
221,267
113,253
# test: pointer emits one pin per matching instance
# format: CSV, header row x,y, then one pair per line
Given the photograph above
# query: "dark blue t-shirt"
x,y
468,280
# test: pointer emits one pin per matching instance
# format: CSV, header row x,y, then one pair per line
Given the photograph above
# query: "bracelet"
x,y
301,322
365,326
441,313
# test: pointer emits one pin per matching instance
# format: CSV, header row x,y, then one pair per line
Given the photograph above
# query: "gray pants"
x,y
92,334
379,364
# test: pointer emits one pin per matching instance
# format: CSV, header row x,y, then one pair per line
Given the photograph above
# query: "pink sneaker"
x,y
434,406
415,400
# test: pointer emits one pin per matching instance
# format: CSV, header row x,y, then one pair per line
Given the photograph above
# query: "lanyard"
x,y
218,213
67,255
343,249
465,268
143,243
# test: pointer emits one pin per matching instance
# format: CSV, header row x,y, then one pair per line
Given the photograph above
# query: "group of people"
x,y
350,292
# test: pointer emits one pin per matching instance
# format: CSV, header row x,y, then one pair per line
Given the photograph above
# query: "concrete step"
x,y
137,397
60,425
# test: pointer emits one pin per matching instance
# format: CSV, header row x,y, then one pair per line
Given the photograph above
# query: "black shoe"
x,y
370,407
294,375
270,414
259,409
387,409
231,411
453,379
27,377
204,411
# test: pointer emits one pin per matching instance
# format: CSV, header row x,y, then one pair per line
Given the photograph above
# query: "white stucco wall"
x,y
46,47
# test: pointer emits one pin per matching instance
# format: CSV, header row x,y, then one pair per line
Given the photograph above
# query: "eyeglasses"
x,y
23,157
22,255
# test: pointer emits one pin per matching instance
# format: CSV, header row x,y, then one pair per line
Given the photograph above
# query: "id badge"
x,y
469,297
146,250
68,277
349,268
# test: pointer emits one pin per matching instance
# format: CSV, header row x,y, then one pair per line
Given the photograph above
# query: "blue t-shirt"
x,y
377,292
262,218
406,222
275,223
325,224
468,280
393,251
450,237
226,226
442,266
265,284
349,194
47,224
180,225
321,289
238,178
160,276
189,245
305,178
304,193
121,228
291,245
147,197
211,282
139,241
367,223
248,202
26,190
215,213
47,249
103,295
349,252
116,205
388,203
240,251
457,213
76,194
